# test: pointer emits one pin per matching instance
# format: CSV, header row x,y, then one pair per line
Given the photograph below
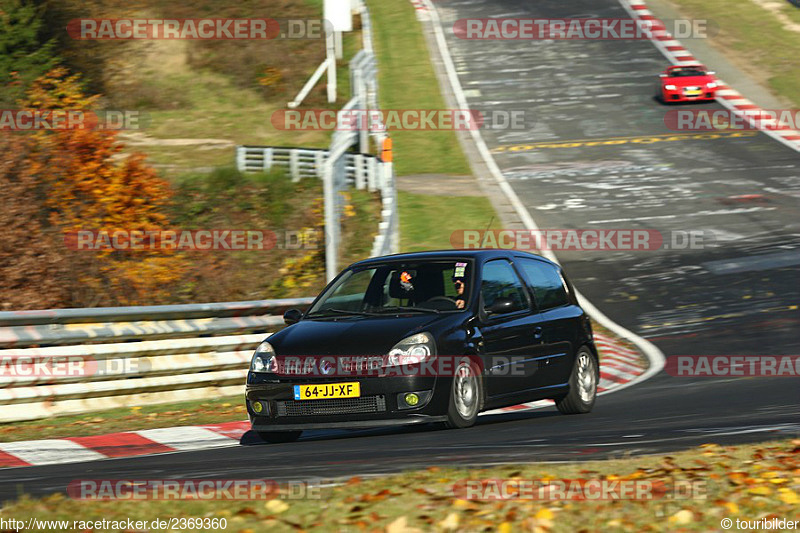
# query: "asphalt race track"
x,y
737,294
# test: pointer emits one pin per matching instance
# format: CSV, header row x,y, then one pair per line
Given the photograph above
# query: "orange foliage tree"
x,y
32,268
89,184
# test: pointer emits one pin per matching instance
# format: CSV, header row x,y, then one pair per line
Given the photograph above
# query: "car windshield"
x,y
395,287
685,72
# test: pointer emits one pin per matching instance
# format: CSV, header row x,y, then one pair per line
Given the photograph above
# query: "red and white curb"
x,y
126,444
619,365
421,9
726,95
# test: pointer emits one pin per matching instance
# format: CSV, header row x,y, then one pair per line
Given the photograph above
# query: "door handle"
x,y
537,332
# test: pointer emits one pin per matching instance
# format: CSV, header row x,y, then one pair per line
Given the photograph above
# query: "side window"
x,y
548,285
349,295
500,281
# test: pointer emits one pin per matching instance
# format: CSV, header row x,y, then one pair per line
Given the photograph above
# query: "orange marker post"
x,y
386,150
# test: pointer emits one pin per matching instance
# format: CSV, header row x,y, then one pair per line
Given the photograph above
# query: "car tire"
x,y
277,437
582,385
466,396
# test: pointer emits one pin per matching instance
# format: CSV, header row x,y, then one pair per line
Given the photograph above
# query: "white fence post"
x,y
371,177
294,171
240,158
319,163
358,163
268,159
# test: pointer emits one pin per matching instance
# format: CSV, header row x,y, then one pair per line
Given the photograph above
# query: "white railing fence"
x,y
362,171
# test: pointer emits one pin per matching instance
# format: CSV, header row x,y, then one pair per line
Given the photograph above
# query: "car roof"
x,y
480,255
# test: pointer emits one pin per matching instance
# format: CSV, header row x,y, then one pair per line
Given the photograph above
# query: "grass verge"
x,y
755,36
691,491
200,97
407,81
428,221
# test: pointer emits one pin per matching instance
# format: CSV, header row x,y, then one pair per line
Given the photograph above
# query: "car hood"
x,y
349,335
687,81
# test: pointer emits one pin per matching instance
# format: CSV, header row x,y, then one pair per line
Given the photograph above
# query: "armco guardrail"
x,y
64,361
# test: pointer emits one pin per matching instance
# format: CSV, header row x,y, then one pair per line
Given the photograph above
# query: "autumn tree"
x,y
90,184
32,267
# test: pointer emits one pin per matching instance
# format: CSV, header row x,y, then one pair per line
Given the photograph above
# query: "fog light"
x,y
411,399
257,407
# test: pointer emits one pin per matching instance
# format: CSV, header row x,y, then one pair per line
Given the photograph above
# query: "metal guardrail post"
x,y
331,222
366,28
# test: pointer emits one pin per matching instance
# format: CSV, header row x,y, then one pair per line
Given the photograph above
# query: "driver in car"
x,y
459,286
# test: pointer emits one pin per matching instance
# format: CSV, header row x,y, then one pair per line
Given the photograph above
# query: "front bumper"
x,y
679,96
379,403
259,425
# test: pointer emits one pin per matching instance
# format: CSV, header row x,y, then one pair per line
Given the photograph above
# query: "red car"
x,y
687,83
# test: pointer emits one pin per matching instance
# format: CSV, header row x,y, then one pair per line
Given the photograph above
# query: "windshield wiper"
x,y
333,312
402,309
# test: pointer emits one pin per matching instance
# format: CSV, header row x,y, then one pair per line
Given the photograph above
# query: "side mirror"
x,y
500,305
662,75
710,72
292,316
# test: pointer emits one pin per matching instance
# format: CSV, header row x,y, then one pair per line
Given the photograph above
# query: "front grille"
x,y
335,406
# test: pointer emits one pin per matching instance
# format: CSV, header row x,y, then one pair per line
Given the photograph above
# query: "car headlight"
x,y
263,359
670,87
413,349
711,85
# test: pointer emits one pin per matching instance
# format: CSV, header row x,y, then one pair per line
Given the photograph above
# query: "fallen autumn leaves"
x,y
749,482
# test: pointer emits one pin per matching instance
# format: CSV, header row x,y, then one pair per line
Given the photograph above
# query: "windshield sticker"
x,y
405,281
460,267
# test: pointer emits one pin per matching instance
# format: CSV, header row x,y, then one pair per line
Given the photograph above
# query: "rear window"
x,y
546,281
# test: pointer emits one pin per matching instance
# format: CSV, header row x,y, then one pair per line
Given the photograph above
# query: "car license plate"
x,y
327,391
693,93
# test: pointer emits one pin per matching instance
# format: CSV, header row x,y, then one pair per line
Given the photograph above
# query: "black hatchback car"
x,y
425,337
